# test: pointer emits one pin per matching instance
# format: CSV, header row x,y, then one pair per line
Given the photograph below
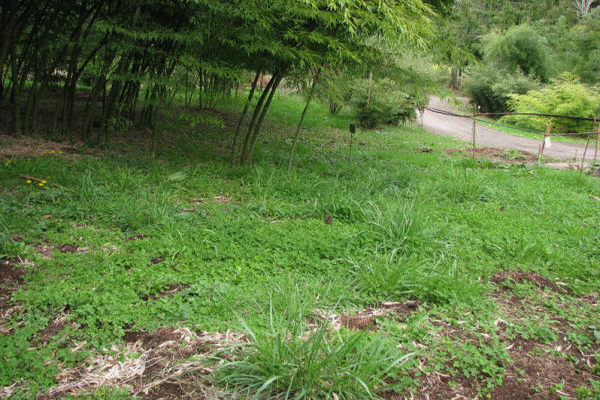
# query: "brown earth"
x,y
171,365
11,280
493,154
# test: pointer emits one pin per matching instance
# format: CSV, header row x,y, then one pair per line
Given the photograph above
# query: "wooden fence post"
x,y
597,143
474,129
546,136
352,129
584,152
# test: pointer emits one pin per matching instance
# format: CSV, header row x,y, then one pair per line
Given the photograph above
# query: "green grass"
x,y
185,240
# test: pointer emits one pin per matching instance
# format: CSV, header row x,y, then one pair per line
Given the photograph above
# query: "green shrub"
x,y
565,96
383,104
579,46
479,87
491,89
334,91
514,62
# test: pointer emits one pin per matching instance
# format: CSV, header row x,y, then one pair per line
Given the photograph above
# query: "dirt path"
x,y
462,128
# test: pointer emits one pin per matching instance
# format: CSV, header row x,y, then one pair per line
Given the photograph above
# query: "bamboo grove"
x,y
133,56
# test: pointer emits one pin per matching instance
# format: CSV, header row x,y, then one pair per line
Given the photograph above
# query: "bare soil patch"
x,y
493,154
168,292
28,147
538,369
44,336
137,236
547,371
442,386
11,280
170,363
167,364
366,319
46,250
519,277
151,340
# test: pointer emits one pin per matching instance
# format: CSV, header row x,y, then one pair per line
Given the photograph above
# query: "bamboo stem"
x,y
308,100
369,88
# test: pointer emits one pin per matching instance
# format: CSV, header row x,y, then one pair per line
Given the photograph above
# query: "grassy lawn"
x,y
402,272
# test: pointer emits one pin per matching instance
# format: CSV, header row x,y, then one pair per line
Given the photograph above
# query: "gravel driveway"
x,y
462,128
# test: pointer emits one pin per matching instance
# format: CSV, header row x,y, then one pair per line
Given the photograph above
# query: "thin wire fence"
x,y
474,117
546,134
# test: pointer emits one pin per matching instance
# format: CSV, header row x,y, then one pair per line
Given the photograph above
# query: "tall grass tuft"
x,y
386,279
10,217
463,185
400,227
398,277
291,359
6,242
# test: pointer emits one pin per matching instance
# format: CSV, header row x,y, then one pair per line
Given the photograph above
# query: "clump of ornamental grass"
x,y
289,362
288,357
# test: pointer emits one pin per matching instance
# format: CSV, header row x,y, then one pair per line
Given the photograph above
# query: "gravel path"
x,y
462,128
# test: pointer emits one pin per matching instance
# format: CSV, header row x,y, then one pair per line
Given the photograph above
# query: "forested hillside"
x,y
513,47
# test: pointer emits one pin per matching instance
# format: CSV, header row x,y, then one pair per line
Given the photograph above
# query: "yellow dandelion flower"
x,y
60,152
43,181
52,152
40,184
28,180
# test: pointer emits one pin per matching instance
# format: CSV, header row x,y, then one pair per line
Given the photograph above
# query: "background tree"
x,y
317,34
576,46
519,48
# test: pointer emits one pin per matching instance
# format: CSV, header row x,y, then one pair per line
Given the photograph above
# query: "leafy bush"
x,y
514,62
479,87
490,89
565,96
519,83
579,46
383,104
